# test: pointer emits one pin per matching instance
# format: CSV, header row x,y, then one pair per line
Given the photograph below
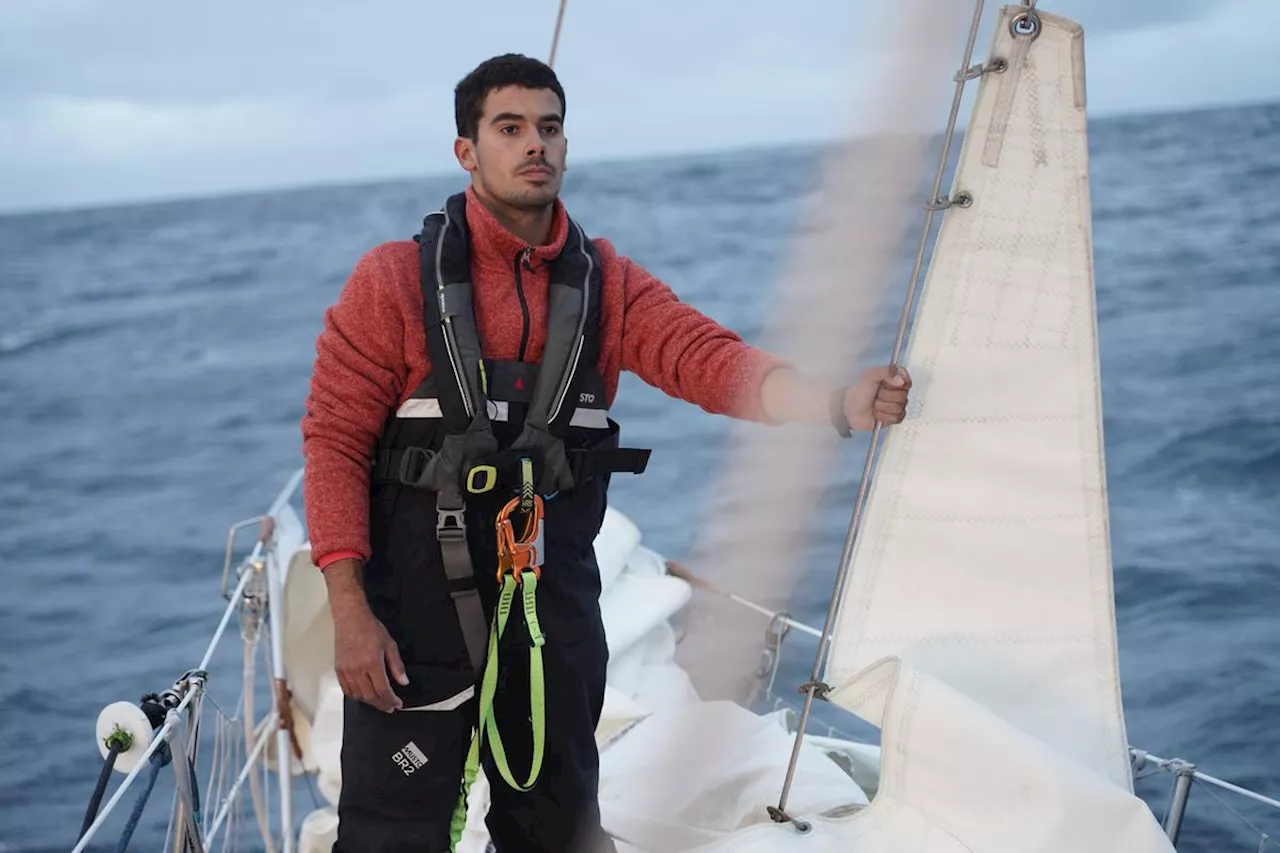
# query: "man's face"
x,y
519,151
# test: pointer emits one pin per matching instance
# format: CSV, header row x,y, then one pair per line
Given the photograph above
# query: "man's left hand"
x,y
879,396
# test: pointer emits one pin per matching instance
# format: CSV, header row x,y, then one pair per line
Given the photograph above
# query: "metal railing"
x,y
258,582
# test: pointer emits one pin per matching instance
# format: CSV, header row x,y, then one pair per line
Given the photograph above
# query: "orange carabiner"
x,y
523,554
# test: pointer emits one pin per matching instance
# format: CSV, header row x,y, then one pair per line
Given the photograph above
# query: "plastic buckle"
x,y
451,524
413,465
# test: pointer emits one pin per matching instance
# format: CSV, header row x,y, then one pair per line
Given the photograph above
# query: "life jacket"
x,y
472,435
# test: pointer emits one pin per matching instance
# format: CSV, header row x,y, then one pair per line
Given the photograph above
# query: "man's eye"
x,y
551,130
509,129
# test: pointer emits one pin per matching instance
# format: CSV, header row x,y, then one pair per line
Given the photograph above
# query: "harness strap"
x,y
408,466
439,473
587,464
451,531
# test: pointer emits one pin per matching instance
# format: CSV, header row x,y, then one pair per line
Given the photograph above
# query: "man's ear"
x,y
465,150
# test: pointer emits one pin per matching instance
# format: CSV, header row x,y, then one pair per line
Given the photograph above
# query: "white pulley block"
x,y
129,718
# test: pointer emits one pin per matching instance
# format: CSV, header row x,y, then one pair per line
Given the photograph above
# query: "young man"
x,y
457,372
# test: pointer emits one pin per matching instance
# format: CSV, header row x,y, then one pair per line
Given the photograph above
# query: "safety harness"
x,y
466,459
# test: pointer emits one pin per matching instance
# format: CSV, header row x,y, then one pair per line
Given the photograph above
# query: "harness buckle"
x,y
451,524
413,465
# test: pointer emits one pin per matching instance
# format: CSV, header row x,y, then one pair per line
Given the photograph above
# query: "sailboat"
x,y
971,622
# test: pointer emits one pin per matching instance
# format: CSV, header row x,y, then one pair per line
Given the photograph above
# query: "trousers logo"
x,y
586,397
409,759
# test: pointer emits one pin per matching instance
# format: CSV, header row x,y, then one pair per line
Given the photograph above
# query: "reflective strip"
x,y
499,412
424,408
449,704
429,407
590,418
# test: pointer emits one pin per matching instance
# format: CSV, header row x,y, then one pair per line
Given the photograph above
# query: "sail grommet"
x,y
1025,24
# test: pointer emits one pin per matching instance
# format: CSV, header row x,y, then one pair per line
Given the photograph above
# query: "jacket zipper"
x,y
522,260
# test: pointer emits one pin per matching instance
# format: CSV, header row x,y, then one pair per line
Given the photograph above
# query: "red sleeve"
x,y
359,373
684,353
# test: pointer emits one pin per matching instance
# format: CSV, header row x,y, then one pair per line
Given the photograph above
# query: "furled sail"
x,y
984,557
977,627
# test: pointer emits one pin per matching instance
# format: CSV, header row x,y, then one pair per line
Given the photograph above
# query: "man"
x,y
453,374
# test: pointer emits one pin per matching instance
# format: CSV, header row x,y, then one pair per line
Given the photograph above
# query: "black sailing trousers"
x,y
402,772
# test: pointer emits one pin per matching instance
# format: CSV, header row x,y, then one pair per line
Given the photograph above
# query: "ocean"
x,y
154,359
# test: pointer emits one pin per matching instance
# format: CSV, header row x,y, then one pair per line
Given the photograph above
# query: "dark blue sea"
x,y
154,360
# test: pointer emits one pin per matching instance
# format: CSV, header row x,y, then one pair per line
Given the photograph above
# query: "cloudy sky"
x,y
105,100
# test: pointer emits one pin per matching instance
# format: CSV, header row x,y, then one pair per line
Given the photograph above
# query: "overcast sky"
x,y
104,100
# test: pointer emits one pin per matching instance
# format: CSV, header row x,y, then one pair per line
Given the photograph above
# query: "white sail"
x,y
977,628
984,561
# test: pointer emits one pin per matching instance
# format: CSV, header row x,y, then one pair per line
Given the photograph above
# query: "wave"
x,y
1240,452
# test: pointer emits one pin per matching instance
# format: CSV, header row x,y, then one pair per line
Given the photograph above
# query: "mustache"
x,y
539,161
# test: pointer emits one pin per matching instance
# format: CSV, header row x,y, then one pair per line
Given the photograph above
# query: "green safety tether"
x,y
487,725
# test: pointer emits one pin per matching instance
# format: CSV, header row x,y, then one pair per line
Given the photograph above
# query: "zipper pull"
x,y
524,258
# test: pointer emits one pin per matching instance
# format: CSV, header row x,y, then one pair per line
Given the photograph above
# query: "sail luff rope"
x,y
812,687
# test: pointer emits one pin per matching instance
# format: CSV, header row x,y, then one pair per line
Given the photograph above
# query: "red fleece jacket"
x,y
371,355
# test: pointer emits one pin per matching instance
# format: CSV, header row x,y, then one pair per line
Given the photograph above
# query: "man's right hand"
x,y
364,652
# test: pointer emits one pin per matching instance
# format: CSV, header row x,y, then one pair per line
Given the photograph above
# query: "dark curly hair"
x,y
510,69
